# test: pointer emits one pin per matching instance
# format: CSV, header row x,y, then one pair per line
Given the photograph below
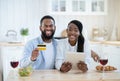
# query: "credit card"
x,y
41,47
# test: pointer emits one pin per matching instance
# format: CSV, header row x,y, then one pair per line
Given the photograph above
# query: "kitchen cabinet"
x,y
112,51
1,71
7,53
80,7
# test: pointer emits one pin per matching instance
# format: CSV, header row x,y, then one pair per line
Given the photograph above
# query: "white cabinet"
x,y
80,7
1,69
113,55
112,51
7,53
96,47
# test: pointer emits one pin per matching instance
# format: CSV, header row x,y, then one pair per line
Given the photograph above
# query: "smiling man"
x,y
41,59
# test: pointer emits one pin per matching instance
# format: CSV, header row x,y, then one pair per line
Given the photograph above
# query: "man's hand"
x,y
35,54
66,66
82,66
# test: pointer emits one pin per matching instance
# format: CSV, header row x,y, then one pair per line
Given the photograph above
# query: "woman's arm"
x,y
95,56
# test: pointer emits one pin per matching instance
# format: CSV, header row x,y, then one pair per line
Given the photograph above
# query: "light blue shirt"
x,y
39,63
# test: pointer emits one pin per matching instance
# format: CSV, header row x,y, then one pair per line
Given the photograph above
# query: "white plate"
x,y
106,71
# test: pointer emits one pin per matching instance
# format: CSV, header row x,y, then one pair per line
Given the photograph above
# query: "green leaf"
x,y
24,31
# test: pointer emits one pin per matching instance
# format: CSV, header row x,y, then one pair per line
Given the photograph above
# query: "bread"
x,y
106,68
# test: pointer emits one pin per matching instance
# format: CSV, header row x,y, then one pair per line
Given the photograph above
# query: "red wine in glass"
x,y
14,64
103,61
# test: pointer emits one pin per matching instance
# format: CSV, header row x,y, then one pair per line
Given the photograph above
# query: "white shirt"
x,y
49,55
64,46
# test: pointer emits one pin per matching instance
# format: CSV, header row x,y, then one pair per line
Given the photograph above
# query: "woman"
x,y
74,43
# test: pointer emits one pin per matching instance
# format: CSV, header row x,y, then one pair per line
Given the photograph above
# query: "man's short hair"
x,y
47,17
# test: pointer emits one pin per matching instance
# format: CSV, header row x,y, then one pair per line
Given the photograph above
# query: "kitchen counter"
x,y
75,75
116,43
11,44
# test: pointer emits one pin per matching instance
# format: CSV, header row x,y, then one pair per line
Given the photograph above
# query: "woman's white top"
x,y
63,47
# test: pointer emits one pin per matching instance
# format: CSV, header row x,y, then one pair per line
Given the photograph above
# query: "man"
x,y
41,59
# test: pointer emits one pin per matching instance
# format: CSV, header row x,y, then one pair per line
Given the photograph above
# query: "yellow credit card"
x,y
41,47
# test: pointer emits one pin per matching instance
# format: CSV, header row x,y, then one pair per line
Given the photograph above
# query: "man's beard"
x,y
47,37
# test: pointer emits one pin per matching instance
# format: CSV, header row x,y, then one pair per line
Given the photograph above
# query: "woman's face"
x,y
73,32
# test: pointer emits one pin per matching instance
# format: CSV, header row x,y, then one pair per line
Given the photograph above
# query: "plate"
x,y
107,68
105,71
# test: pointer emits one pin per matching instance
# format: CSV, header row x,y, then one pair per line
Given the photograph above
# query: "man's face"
x,y
47,28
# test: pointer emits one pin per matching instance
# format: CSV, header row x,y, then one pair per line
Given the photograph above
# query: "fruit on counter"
x,y
25,71
106,68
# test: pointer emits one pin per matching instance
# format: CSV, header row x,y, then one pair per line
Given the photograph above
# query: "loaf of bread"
x,y
106,68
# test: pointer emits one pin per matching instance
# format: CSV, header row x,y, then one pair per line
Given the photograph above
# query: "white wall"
x,y
17,14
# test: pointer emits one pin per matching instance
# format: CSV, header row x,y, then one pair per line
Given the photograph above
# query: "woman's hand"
x,y
82,66
66,66
95,56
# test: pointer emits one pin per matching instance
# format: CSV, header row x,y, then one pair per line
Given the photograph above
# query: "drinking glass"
x,y
103,61
14,63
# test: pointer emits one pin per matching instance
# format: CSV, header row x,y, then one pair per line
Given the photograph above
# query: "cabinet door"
x,y
113,55
99,6
78,7
57,6
8,53
1,68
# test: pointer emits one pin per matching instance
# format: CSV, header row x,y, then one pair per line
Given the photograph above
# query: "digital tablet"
x,y
74,58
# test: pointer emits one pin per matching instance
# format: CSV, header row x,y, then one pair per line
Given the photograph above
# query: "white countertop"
x,y
75,75
11,44
116,43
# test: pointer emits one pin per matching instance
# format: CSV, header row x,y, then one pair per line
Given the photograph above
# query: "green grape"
x,y
25,71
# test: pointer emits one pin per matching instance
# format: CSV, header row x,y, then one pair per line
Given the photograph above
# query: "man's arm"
x,y
26,59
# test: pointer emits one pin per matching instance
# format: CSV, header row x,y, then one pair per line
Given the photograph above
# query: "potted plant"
x,y
24,32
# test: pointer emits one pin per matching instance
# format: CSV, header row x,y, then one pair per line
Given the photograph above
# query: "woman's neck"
x,y
72,43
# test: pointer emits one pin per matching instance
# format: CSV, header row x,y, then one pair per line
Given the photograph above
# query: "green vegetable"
x,y
25,71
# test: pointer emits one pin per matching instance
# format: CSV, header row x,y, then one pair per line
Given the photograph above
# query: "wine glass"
x,y
14,64
103,61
